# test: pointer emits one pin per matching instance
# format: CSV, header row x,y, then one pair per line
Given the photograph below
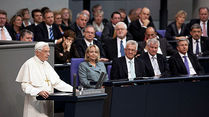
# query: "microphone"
x,y
74,84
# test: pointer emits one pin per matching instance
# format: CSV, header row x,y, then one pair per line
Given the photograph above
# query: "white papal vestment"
x,y
36,76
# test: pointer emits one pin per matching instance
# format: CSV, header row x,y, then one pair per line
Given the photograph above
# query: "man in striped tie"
x,y
47,31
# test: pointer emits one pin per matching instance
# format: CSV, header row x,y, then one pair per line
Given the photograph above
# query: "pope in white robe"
x,y
37,77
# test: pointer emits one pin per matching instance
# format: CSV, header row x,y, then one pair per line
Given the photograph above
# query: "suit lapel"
x,y
160,63
181,62
124,66
45,30
148,64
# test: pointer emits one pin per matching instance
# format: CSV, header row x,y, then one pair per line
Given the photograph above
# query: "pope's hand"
x,y
44,94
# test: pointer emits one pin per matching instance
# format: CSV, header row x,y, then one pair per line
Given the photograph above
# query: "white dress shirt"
x,y
194,45
118,45
155,66
88,43
8,37
128,67
191,68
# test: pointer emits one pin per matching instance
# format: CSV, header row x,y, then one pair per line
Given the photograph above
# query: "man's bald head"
x,y
145,13
150,33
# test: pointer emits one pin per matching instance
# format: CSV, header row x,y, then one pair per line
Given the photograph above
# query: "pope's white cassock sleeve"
x,y
36,76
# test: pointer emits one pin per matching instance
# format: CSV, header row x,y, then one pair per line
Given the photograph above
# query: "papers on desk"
x,y
61,94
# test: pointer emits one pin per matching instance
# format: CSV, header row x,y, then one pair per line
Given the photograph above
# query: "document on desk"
x,y
62,94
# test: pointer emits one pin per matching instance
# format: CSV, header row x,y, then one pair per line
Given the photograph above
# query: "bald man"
x,y
164,47
137,28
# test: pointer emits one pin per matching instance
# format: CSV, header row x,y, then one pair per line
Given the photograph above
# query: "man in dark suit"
x,y
131,17
37,19
138,27
79,24
5,30
203,21
47,31
155,64
109,31
164,47
199,45
183,62
82,43
128,67
114,48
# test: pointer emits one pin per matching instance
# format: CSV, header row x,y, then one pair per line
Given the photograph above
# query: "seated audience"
x,y
164,47
26,35
138,27
6,31
63,50
183,62
114,48
109,31
48,31
25,17
16,23
177,29
66,17
37,19
199,45
202,21
155,64
91,69
83,43
128,67
79,24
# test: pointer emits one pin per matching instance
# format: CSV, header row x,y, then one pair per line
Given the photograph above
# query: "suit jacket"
x,y
77,31
81,47
194,21
165,47
177,66
127,22
204,42
31,27
41,33
10,30
172,31
108,31
119,68
111,48
137,30
162,62
87,73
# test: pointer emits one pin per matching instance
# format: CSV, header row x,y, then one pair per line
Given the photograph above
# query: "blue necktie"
x,y
186,63
122,48
51,34
197,47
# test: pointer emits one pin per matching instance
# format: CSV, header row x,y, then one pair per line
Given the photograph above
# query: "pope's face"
x,y
43,55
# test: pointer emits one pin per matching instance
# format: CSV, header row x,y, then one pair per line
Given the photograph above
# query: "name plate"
x,y
90,91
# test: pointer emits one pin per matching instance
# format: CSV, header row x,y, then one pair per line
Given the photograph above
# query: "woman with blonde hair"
x,y
91,69
66,17
177,29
